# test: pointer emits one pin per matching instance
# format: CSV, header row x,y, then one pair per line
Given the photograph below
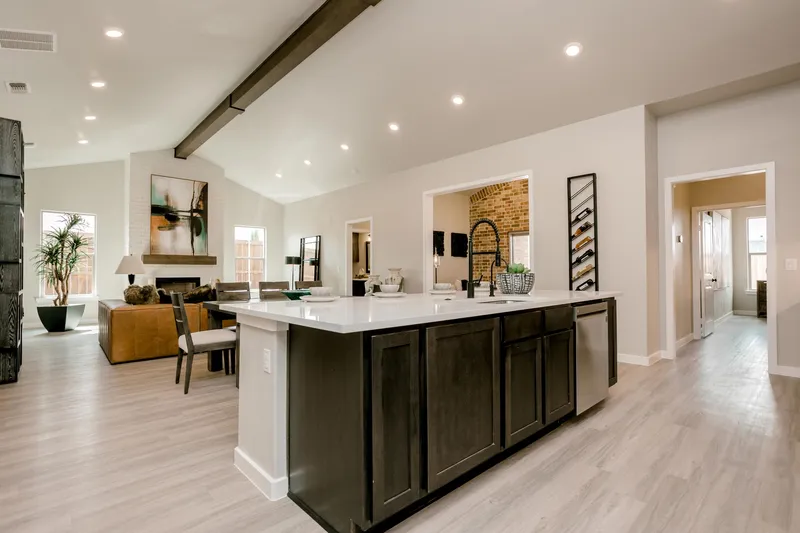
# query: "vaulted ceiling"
x,y
400,61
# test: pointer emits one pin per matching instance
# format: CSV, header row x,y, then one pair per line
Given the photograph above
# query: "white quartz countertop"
x,y
349,315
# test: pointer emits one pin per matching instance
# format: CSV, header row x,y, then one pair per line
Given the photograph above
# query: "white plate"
x,y
319,299
390,294
445,292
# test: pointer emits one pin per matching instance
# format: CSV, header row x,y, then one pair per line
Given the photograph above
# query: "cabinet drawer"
x,y
559,318
522,326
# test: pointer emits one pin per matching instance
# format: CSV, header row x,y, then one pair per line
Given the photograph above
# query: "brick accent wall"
x,y
507,205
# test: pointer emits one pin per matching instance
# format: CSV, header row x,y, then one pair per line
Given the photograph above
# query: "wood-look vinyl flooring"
x,y
707,443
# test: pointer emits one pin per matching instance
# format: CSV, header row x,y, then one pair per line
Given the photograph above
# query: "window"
x,y
520,248
756,251
250,255
81,282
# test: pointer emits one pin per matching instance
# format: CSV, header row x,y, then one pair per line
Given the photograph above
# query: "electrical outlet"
x,y
267,361
791,264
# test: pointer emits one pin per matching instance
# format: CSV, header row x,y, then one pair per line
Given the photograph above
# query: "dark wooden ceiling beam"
x,y
318,29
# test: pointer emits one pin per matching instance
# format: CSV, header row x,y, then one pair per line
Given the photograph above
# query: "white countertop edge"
x,y
538,300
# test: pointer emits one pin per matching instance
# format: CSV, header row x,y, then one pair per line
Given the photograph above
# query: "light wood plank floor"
x,y
707,443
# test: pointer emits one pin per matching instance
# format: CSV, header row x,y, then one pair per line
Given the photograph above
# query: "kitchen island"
x,y
364,410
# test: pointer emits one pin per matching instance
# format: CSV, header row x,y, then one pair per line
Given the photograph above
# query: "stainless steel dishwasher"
x,y
591,363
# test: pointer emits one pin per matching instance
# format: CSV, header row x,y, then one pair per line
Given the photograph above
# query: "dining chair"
x,y
300,285
233,291
190,343
271,290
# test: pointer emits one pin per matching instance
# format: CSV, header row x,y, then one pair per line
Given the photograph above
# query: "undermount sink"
x,y
499,302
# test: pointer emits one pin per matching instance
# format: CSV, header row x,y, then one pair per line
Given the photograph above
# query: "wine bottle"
x,y
585,285
585,241
583,229
583,257
581,272
583,214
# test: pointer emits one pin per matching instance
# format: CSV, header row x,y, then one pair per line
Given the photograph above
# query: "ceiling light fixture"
x,y
114,33
573,49
345,147
307,162
394,126
83,141
278,175
457,99
90,117
98,84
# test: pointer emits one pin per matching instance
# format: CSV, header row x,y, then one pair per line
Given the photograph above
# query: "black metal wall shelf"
x,y
584,274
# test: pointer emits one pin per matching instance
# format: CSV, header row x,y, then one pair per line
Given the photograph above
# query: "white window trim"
x,y
253,292
72,297
748,290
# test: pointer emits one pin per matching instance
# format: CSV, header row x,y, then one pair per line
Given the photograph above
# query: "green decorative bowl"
x,y
295,295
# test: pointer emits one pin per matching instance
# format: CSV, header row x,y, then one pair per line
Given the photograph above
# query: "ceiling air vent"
x,y
31,41
18,87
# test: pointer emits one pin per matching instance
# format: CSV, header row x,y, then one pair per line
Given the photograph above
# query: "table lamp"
x,y
293,260
131,265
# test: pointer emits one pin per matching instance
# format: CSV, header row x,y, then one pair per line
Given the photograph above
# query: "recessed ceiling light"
x,y
90,117
98,84
83,141
345,147
458,99
307,162
573,49
279,175
394,126
114,33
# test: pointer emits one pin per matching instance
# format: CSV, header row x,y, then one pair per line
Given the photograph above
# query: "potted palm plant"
x,y
61,252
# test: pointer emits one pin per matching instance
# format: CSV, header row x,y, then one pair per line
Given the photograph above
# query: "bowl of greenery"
x,y
516,279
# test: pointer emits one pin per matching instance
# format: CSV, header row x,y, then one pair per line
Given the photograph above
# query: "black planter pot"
x,y
61,318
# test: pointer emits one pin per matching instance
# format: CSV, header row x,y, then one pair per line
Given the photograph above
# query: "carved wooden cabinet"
x,y
12,225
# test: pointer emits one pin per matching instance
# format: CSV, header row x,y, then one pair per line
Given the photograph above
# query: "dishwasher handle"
x,y
591,309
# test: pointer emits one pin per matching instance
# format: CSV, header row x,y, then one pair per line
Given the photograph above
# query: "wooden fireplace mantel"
x,y
148,259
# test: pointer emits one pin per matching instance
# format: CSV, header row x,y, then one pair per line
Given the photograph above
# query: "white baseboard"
x,y
742,312
723,317
788,371
273,489
680,343
641,360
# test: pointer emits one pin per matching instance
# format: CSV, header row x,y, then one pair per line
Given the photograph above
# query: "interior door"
x,y
707,317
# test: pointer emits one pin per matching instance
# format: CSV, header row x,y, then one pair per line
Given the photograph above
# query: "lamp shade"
x,y
131,264
293,260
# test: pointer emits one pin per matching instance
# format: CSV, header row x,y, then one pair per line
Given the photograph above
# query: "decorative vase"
x,y
372,285
395,278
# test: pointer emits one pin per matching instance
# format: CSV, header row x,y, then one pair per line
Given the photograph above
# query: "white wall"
x,y
753,129
612,146
96,189
743,301
230,205
451,215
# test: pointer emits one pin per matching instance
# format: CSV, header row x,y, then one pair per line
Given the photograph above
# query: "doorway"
x,y
449,213
701,269
358,254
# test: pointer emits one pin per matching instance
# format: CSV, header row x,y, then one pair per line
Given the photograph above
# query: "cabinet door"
x,y
523,362
559,376
612,342
395,423
462,367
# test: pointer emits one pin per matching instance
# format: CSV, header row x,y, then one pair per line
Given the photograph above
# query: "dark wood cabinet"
x,y
396,465
462,365
523,390
12,223
559,372
612,342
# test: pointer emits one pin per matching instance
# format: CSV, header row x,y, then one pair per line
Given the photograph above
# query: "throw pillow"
x,y
136,295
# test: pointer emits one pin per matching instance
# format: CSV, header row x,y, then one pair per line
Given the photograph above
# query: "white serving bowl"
x,y
320,291
442,286
390,288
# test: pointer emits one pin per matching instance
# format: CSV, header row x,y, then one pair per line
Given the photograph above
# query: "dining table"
x,y
216,318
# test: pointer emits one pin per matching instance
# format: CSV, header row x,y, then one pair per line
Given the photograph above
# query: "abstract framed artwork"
x,y
178,216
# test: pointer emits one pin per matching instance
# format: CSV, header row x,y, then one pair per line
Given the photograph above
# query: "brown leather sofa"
x,y
140,332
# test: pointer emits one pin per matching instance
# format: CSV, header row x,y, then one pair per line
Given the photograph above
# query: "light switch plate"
x,y
267,361
791,264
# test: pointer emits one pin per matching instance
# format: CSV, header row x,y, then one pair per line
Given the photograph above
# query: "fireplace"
x,y
177,284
